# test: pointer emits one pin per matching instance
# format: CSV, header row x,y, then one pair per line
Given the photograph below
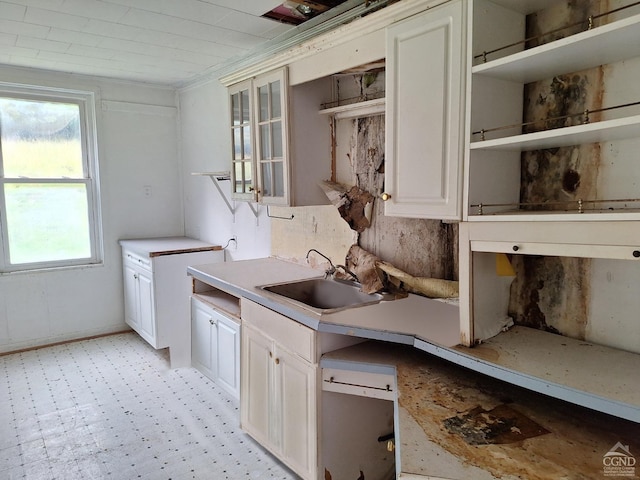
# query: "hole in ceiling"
x,y
295,12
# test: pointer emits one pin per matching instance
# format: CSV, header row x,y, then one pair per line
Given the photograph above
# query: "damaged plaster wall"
x,y
319,227
578,297
425,248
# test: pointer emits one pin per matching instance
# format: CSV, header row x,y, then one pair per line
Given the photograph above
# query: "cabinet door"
x,y
425,112
272,137
242,158
146,306
227,354
296,396
255,400
201,338
131,296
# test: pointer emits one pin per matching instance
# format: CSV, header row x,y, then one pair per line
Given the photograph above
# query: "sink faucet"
x,y
331,270
348,272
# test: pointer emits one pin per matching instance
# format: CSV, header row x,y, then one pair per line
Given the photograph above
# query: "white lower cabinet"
x,y
157,290
215,346
278,401
138,298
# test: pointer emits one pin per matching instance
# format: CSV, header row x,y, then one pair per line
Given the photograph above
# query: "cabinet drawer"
x,y
364,384
135,259
293,336
620,252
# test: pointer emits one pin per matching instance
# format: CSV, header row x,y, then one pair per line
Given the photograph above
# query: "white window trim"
x,y
86,100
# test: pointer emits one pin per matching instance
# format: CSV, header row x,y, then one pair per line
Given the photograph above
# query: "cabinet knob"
x,y
516,248
252,189
385,196
135,275
212,321
277,360
636,253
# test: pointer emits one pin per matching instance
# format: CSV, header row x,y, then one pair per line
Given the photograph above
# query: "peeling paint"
x,y
498,425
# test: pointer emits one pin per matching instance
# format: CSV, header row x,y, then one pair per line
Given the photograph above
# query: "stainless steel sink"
x,y
324,295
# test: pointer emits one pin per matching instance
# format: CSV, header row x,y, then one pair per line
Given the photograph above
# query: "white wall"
x,y
138,146
206,147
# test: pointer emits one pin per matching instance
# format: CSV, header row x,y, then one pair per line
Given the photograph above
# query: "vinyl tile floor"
x,y
111,408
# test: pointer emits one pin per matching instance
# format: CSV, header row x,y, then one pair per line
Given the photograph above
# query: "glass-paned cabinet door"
x,y
242,163
270,92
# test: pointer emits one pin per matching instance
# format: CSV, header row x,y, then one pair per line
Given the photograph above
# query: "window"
x,y
49,214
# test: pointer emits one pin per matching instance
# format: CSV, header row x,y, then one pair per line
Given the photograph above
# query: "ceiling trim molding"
x,y
356,18
335,32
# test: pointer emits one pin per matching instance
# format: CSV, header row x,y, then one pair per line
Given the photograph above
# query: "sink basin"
x,y
324,295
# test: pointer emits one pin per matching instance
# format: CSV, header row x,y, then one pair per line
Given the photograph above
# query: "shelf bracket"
x,y
219,177
253,209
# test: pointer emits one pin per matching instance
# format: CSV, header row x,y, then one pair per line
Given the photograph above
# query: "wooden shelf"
x,y
617,129
600,46
221,301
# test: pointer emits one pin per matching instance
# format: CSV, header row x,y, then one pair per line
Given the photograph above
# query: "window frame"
x,y
86,101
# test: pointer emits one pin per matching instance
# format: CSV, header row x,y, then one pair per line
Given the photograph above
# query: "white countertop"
x,y
400,320
433,326
154,247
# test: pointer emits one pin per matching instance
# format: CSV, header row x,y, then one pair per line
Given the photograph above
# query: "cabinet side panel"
x,y
310,149
490,297
172,290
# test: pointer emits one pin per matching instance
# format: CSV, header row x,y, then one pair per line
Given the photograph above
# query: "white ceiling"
x,y
167,42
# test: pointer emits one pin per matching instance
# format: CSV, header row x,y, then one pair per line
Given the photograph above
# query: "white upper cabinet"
x,y
272,137
425,71
260,139
242,158
281,147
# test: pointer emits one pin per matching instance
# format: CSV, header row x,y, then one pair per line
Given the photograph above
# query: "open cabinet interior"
x,y
555,118
362,426
554,304
581,298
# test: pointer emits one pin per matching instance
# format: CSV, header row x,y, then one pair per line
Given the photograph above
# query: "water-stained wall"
x,y
557,293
